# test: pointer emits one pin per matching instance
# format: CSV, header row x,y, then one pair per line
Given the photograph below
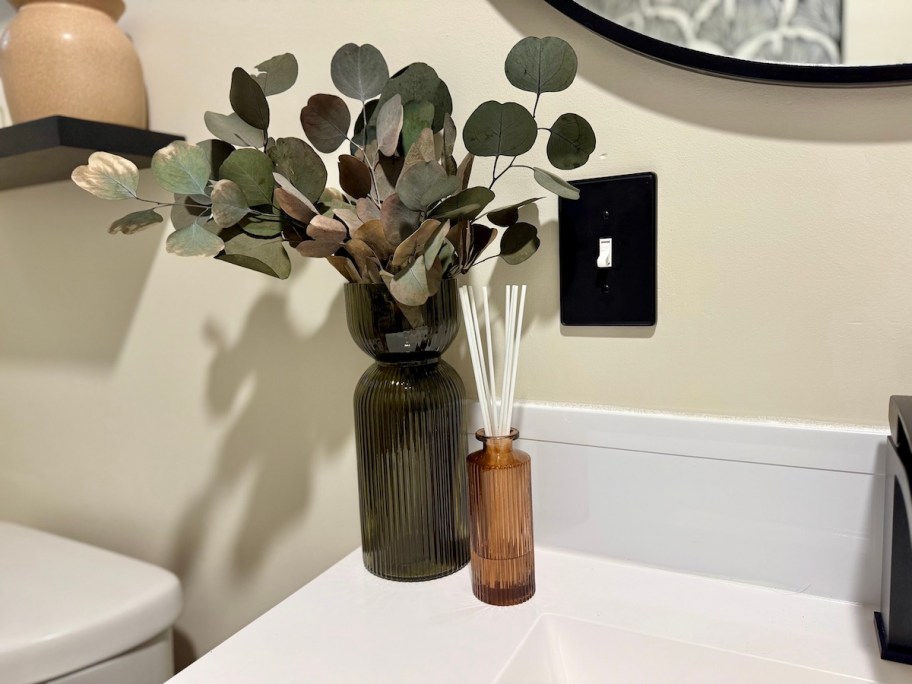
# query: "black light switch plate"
x,y
622,208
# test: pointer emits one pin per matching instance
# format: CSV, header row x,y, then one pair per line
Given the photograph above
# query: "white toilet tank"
x,y
71,613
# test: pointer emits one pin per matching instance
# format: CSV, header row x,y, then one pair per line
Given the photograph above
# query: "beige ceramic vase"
x,y
70,58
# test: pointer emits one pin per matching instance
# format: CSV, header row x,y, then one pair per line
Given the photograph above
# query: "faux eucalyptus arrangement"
x,y
406,215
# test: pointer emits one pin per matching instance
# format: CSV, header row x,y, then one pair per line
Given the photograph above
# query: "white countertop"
x,y
350,626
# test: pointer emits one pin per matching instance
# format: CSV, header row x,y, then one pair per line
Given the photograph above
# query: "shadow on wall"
x,y
297,410
70,289
767,111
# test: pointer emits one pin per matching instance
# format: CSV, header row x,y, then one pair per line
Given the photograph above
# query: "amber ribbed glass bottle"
x,y
409,435
500,521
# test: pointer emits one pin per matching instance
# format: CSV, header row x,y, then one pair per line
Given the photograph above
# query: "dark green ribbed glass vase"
x,y
409,435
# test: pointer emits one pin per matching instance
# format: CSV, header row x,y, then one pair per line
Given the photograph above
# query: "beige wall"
x,y
199,416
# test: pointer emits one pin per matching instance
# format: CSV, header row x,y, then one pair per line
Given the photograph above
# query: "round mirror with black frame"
x,y
793,42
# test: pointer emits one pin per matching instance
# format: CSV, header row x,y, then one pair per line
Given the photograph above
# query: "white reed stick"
x,y
476,364
515,360
497,421
491,376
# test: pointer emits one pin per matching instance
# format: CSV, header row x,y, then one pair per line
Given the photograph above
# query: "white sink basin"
x,y
564,650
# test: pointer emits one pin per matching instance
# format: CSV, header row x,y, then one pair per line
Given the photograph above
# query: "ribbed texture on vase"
x,y
409,435
411,474
500,520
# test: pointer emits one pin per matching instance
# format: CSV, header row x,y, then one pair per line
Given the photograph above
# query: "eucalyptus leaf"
x,y
108,176
367,210
248,99
464,170
541,65
519,242
301,165
349,218
373,233
415,243
359,71
386,175
447,258
264,256
410,285
135,222
261,228
354,176
422,150
467,204
345,266
217,151
317,249
194,240
390,120
555,184
365,259
325,120
398,219
499,129
229,205
252,171
507,216
424,183
418,82
295,205
234,130
417,116
186,212
182,168
323,228
572,141
449,136
277,74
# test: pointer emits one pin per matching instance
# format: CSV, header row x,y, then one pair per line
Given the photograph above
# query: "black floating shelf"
x,y
49,149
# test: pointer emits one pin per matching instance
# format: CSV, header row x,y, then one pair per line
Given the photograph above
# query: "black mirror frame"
x,y
732,67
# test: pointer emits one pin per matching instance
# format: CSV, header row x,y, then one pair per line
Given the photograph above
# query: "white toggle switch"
x,y
604,256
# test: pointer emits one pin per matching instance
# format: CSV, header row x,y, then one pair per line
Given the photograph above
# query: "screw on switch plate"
x,y
608,252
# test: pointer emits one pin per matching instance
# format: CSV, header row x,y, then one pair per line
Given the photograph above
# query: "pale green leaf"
x,y
389,125
423,184
359,71
108,176
418,116
252,171
410,285
194,241
419,82
182,168
277,74
555,184
229,205
232,129
264,256
297,161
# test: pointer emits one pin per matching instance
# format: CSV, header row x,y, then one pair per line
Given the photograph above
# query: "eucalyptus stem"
x,y
535,106
497,176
